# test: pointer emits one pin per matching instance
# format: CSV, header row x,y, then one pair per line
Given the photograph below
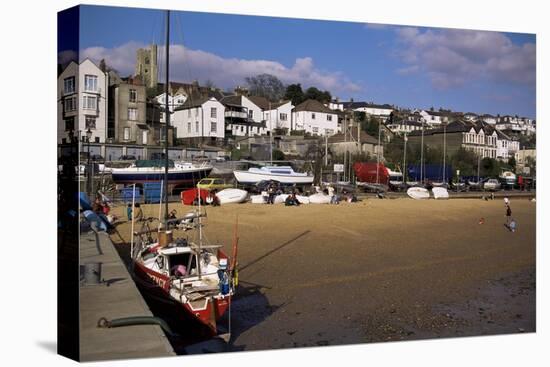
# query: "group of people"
x,y
335,198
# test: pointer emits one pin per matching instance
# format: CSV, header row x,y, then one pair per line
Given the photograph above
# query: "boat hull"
x,y
418,193
188,177
155,286
246,177
229,196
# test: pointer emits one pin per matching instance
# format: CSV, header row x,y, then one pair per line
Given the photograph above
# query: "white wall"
x,y
101,94
202,116
303,120
273,117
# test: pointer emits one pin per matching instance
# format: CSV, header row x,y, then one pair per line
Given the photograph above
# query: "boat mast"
x,y
270,137
444,149
404,157
378,153
167,118
422,154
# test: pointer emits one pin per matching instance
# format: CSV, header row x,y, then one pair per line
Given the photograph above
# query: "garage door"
x,y
136,152
113,153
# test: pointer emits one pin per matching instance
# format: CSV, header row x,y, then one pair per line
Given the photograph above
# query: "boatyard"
x,y
370,271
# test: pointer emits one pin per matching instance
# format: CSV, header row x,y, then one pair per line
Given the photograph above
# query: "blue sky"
x,y
478,71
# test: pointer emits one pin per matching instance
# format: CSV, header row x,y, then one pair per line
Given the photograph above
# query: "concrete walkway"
x,y
120,298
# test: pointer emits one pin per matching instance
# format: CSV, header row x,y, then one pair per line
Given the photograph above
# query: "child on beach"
x,y
129,211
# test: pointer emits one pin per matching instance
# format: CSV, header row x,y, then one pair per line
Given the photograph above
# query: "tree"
x,y
278,155
512,163
321,96
295,94
267,86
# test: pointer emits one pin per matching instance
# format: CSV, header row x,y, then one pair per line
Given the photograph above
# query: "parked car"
x,y
128,158
491,185
213,184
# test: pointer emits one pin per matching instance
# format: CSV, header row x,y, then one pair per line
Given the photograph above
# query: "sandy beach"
x,y
374,271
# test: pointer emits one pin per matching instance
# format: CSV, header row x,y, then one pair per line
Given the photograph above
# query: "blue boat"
x,y
144,171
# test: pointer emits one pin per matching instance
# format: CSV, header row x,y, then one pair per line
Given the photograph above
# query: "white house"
x,y
506,146
382,111
490,119
174,101
335,104
243,117
200,118
82,101
315,118
277,115
434,118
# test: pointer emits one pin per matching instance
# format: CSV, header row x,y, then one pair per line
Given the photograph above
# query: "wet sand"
x,y
376,270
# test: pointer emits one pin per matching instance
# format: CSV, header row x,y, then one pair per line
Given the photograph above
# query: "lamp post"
x,y
89,168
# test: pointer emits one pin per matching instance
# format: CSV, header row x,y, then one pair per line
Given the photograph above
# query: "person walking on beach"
x,y
508,215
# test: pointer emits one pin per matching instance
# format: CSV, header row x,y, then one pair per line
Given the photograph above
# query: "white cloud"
x,y
188,64
455,57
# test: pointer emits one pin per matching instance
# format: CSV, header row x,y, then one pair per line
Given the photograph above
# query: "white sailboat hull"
x,y
247,177
440,193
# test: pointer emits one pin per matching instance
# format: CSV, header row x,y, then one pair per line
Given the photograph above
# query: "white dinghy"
x,y
228,196
418,193
319,198
440,193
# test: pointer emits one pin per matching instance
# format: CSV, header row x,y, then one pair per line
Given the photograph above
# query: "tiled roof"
x,y
313,106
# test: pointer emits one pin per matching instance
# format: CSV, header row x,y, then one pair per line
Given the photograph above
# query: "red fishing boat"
x,y
196,277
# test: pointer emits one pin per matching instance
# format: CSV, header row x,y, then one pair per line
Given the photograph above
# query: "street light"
x,y
89,170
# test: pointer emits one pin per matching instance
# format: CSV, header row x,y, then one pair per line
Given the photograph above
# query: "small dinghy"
x,y
228,196
258,199
418,193
319,198
440,193
302,199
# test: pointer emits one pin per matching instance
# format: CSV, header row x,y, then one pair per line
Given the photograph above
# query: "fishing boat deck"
x,y
119,299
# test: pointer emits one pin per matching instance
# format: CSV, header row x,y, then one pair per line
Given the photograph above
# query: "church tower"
x,y
146,66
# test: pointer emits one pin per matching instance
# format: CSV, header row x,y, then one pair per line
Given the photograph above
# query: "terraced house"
x,y
82,102
477,137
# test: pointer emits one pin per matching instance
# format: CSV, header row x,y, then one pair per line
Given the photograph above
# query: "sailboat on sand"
x,y
196,277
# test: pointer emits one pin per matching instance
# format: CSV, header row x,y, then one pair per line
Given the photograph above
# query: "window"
x,y
90,103
283,116
313,116
69,124
132,95
213,126
68,85
329,117
242,128
188,127
126,133
196,112
90,83
90,122
250,114
189,113
70,104
144,136
132,114
213,112
196,126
